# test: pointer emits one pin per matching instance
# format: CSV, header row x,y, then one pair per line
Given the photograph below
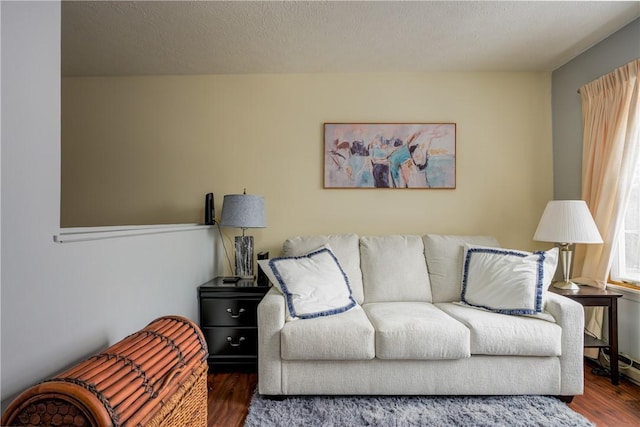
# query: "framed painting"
x,y
390,155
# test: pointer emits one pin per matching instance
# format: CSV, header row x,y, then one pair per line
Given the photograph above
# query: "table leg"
x,y
613,341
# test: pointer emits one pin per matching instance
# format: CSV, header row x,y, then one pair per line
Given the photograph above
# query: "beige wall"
x,y
141,150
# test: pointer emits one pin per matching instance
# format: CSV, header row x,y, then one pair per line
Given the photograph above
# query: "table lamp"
x,y
567,222
243,211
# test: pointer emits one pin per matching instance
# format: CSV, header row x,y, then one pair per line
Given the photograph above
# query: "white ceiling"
x,y
222,37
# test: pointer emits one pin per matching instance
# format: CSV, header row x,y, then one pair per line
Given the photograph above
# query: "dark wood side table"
x,y
229,322
589,296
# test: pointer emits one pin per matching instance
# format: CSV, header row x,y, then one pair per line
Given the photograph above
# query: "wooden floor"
x,y
608,405
602,403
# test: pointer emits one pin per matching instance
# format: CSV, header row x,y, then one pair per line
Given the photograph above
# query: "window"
x,y
626,262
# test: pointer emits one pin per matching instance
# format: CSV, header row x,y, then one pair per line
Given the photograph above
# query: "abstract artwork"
x,y
390,155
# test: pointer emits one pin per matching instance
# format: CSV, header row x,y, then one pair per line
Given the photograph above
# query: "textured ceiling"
x,y
222,37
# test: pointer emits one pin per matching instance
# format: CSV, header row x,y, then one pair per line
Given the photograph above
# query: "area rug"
x,y
408,411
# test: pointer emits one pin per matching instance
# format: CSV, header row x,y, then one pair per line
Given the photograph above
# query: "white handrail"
x,y
83,234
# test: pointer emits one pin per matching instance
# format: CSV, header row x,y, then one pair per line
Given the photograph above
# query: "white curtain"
x,y
611,146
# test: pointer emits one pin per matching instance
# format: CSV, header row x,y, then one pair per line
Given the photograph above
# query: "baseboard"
x,y
628,367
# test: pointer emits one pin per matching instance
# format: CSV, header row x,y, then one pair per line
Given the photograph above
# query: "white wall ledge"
x,y
629,293
84,234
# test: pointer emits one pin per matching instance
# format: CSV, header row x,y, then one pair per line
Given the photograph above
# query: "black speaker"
x,y
262,278
209,214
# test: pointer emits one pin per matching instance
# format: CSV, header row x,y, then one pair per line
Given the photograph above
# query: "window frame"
x,y
617,274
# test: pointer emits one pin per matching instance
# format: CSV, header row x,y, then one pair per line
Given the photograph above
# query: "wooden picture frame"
x,y
390,155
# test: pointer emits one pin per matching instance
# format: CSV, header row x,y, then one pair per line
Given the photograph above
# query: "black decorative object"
x,y
262,278
209,213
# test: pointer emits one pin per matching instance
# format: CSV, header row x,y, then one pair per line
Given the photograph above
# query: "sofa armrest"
x,y
569,315
271,311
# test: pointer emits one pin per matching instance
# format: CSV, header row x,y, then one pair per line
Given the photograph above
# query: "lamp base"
x,y
244,256
568,284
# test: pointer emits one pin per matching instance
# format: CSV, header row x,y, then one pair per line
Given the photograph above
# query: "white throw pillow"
x,y
445,258
346,248
507,281
314,284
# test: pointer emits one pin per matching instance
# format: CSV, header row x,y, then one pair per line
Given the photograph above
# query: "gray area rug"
x,y
413,411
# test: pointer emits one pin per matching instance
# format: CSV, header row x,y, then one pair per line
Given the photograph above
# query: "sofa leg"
x,y
565,399
276,397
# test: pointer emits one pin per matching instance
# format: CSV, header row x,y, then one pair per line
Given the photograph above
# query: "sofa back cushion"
x,y
344,246
444,255
394,269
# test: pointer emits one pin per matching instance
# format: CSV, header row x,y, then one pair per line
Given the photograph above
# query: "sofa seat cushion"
x,y
394,269
504,335
416,330
344,336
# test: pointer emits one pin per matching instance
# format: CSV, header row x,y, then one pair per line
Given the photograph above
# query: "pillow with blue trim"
x,y
313,285
507,281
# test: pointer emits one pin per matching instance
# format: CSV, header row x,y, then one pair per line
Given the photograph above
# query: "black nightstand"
x,y
229,321
590,297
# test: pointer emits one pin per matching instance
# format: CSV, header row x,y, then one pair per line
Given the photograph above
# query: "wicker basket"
x,y
154,377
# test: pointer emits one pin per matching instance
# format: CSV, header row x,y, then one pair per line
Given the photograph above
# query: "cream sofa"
x,y
409,335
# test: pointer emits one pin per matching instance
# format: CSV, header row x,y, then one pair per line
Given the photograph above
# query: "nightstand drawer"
x,y
232,341
229,312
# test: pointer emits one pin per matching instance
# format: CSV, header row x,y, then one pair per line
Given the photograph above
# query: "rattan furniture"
x,y
154,377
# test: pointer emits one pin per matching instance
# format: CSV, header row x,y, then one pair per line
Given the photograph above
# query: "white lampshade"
x,y
243,211
567,221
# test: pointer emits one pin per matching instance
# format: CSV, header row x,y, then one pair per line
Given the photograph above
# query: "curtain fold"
x,y
610,149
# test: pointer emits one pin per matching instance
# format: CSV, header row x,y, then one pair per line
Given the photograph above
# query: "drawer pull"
x,y
235,316
235,344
